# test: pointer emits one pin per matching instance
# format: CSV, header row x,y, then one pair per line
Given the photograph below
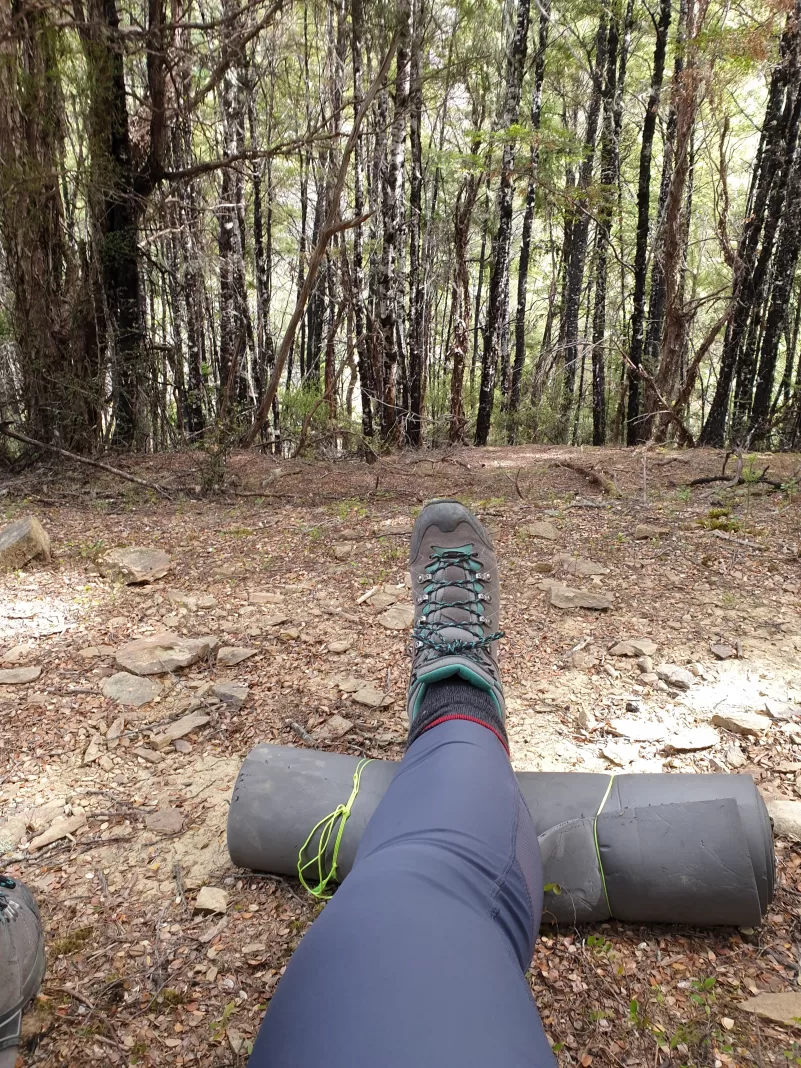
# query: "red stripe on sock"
x,y
469,719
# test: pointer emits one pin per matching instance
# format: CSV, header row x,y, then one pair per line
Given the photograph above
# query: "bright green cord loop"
x,y
326,828
595,836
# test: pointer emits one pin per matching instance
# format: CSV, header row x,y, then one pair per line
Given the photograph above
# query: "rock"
x,y
180,728
334,727
211,899
254,950
22,541
611,672
340,645
150,755
693,738
348,684
60,829
372,697
18,676
233,694
399,617
634,647
135,564
742,722
92,651
783,1007
382,599
582,660
638,731
575,565
275,620
585,719
540,529
565,597
105,762
231,655
116,729
643,531
165,821
92,750
130,689
786,817
735,757
18,654
645,664
191,601
723,651
180,745
343,550
649,678
163,652
620,753
677,677
289,634
258,597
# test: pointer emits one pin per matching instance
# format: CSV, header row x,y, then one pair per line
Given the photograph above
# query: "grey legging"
x,y
419,960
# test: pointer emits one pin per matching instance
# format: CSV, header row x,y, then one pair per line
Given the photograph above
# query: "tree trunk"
x,y
497,310
364,364
633,430
417,361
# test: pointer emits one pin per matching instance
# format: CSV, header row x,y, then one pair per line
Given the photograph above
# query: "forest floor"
x,y
280,562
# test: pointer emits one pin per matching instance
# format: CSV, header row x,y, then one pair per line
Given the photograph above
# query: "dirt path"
x,y
279,564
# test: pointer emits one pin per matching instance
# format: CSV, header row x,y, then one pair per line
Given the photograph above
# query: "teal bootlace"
x,y
427,632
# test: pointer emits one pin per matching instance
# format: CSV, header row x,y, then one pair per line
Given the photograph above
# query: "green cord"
x,y
597,847
326,829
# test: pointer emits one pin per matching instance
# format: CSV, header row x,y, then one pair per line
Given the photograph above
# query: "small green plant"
x,y
684,493
217,1027
720,519
599,944
72,943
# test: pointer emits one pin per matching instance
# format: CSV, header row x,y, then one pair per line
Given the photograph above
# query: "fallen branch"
x,y
600,478
738,541
4,429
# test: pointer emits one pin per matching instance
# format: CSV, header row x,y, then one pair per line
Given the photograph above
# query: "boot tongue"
x,y
444,594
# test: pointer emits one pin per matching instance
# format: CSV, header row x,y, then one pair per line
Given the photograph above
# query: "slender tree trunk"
x,y
528,221
359,327
497,310
417,360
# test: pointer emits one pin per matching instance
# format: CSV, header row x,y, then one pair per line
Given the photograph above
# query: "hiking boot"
x,y
455,590
22,960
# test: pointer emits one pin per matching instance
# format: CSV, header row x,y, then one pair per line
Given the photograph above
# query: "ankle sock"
x,y
455,698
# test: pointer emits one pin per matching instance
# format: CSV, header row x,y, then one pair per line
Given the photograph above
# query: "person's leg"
x,y
420,958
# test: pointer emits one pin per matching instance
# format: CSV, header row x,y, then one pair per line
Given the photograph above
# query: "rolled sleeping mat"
x,y
690,849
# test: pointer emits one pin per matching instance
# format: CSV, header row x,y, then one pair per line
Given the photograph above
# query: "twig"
x,y
4,429
739,541
302,732
92,1008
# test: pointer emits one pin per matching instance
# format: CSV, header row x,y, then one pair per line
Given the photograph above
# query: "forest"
x,y
342,225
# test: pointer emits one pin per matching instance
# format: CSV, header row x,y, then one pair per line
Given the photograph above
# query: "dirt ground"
x,y
281,560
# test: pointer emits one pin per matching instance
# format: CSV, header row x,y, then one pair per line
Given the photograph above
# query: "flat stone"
x,y
340,645
644,531
575,565
130,689
783,1007
18,676
540,528
634,647
165,821
582,660
741,722
649,678
150,755
349,684
18,654
677,677
638,730
105,762
92,750
372,697
334,727
191,601
231,655
399,617
735,757
275,620
211,899
620,753
382,599
723,651
565,597
289,634
116,729
180,745
786,816
90,652
645,664
263,597
233,694
22,541
179,728
163,652
343,550
135,564
59,829
693,738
